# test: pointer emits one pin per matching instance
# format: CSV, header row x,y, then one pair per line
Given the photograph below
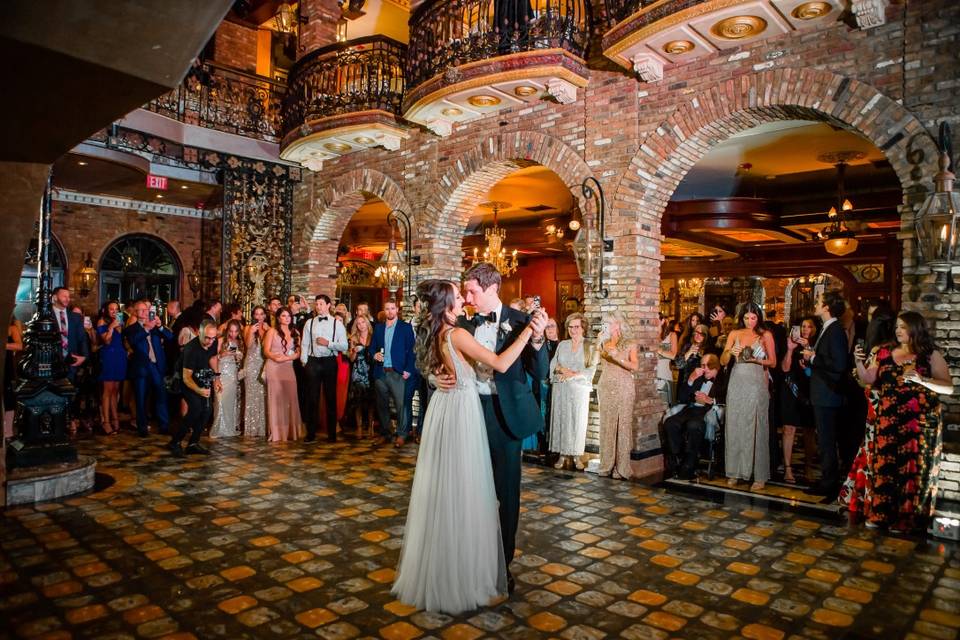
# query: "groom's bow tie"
x,y
480,318
322,318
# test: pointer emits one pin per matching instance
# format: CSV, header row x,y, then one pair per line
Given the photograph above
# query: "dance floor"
x,y
298,541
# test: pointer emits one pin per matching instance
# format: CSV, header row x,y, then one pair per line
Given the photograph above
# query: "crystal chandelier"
x,y
690,287
494,253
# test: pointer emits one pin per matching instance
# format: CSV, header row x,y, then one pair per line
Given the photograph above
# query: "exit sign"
x,y
156,182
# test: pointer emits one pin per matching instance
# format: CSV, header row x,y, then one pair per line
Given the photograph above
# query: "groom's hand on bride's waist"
x,y
443,381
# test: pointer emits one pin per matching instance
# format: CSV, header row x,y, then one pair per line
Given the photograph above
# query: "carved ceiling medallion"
x,y
452,111
739,27
337,147
678,47
484,100
811,10
525,90
363,140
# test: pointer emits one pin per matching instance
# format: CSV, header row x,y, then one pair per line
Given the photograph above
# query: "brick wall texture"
x,y
235,46
83,228
639,140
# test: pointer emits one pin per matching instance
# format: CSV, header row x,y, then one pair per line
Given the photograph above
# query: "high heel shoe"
x,y
732,482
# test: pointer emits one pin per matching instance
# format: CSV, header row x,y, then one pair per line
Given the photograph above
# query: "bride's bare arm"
x,y
468,346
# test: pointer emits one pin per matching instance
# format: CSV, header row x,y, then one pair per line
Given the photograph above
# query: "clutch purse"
x,y
746,355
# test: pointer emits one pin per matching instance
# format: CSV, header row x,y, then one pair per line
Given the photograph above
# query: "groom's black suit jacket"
x,y
520,409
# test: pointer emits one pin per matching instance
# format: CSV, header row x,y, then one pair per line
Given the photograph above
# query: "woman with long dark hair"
x,y
452,556
898,486
282,348
254,392
113,365
666,352
748,399
795,393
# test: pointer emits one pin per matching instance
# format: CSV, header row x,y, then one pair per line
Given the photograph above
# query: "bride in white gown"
x,y
452,556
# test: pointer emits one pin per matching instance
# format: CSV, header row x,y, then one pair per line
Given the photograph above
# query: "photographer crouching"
x,y
198,364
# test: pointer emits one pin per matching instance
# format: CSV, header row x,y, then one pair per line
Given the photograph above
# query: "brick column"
x,y
320,26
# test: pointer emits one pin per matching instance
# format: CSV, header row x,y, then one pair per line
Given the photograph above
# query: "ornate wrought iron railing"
x,y
226,100
449,33
348,77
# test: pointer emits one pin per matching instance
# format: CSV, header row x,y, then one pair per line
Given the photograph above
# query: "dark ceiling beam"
x,y
80,65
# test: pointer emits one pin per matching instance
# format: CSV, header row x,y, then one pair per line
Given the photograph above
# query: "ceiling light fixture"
x,y
495,254
82,163
838,239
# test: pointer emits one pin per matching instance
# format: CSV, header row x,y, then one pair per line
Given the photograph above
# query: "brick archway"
x,y
329,212
674,146
467,181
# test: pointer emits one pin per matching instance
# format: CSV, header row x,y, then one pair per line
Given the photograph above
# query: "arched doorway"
x,y
26,301
138,267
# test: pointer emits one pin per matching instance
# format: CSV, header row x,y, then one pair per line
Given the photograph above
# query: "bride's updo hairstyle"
x,y
437,298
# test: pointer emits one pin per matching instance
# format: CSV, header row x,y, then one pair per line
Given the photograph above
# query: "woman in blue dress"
x,y
113,365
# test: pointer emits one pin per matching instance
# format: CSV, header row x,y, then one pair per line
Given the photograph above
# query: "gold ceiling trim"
x,y
686,15
739,27
515,56
483,100
811,10
338,132
679,47
555,71
403,4
525,90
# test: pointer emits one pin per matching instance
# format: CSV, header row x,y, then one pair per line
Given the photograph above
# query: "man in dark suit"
x,y
696,397
394,371
510,411
828,362
148,363
75,346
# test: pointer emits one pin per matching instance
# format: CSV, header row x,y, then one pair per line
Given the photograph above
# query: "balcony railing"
x,y
225,100
618,10
450,33
358,75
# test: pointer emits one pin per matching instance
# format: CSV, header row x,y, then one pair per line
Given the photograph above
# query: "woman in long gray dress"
x,y
254,407
748,399
571,372
226,415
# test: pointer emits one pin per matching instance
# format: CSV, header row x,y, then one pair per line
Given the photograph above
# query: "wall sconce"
x,y
193,277
936,224
88,277
590,243
342,29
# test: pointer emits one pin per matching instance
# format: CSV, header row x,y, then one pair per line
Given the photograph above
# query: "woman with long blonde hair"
x,y
616,392
360,401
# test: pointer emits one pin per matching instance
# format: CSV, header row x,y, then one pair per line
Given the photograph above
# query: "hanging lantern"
x,y
391,270
88,277
936,222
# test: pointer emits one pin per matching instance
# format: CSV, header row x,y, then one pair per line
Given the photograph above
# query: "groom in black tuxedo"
x,y
510,411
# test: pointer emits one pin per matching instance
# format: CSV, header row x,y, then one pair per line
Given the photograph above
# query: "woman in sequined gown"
x,y
747,427
281,347
226,410
254,401
616,392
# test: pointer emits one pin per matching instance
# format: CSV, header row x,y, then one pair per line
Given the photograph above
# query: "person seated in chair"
x,y
689,417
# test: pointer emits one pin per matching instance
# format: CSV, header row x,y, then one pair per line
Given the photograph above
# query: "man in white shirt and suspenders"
x,y
324,336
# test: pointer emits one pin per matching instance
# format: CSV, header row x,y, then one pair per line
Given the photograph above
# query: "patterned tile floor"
x,y
298,541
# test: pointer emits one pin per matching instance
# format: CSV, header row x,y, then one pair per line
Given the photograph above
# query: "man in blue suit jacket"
x,y
148,363
75,344
394,372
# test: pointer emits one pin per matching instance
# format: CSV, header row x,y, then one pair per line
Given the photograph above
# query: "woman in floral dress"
x,y
897,487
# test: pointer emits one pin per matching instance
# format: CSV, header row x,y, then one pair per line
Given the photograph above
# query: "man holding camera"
x,y
199,378
148,364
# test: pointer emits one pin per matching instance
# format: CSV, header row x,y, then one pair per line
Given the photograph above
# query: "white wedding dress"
x,y
452,555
